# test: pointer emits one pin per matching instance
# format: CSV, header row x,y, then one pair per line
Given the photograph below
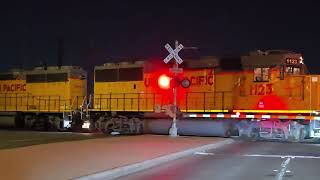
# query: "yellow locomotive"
x,y
272,84
39,98
276,81
246,84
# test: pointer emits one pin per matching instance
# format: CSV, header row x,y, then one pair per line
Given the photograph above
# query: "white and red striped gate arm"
x,y
251,116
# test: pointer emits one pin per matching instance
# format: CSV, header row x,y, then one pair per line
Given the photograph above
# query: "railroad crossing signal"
x,y
173,54
173,131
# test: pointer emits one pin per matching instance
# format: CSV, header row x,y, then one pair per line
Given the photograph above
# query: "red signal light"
x,y
164,81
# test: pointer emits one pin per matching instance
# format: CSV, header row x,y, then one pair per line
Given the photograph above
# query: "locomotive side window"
x,y
261,74
57,77
293,70
281,72
40,78
130,74
7,77
106,75
296,71
122,74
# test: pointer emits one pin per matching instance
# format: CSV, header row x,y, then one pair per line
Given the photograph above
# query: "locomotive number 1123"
x,y
261,89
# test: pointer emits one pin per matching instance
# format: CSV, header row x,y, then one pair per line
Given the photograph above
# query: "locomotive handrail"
x,y
30,103
139,102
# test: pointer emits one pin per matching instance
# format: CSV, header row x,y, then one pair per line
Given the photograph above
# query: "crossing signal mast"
x,y
164,81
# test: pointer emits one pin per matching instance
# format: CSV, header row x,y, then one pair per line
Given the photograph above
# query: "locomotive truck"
x,y
265,94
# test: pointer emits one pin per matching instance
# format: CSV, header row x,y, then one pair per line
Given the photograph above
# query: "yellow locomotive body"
x,y
51,90
276,82
132,87
119,87
56,90
12,88
40,92
271,84
255,83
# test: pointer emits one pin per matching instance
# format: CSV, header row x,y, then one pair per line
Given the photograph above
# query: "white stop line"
x,y
281,173
282,156
204,153
284,166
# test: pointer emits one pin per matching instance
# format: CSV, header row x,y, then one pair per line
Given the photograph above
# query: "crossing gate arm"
x,y
250,116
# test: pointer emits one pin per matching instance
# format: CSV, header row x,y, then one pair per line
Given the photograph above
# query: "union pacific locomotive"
x,y
265,94
42,97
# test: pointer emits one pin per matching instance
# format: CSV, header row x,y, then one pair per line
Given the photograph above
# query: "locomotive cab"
x,y
272,79
278,63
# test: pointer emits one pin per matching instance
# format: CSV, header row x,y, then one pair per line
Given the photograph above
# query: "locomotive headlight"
x,y
86,125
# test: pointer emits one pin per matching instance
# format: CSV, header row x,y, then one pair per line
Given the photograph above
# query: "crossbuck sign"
x,y
173,54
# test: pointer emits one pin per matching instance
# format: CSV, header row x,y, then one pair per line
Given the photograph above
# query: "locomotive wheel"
x,y
227,133
108,129
301,135
141,130
254,135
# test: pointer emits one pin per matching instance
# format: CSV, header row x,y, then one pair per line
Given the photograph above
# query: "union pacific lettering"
x,y
207,80
201,80
5,88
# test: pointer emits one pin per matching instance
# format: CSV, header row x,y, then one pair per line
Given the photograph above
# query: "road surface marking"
x,y
281,156
314,144
204,153
23,140
114,133
276,170
284,166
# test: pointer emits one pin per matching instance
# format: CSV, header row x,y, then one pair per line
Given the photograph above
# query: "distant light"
x,y
301,60
114,133
66,123
86,125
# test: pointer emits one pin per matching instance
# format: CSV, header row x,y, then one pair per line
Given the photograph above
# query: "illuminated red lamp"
x,y
164,81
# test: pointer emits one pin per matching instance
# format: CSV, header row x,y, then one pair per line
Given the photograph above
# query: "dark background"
x,y
93,31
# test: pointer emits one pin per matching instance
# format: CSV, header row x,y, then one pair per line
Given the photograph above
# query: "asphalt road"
x,y
242,160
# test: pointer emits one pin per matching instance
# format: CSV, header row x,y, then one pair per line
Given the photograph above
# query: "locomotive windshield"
x,y
292,70
293,66
261,74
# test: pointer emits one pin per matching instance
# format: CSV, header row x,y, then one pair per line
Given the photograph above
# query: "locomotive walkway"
x,y
102,158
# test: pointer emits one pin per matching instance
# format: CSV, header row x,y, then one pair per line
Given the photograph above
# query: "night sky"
x,y
93,31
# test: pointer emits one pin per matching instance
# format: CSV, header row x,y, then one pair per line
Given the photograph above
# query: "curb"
x,y
133,168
